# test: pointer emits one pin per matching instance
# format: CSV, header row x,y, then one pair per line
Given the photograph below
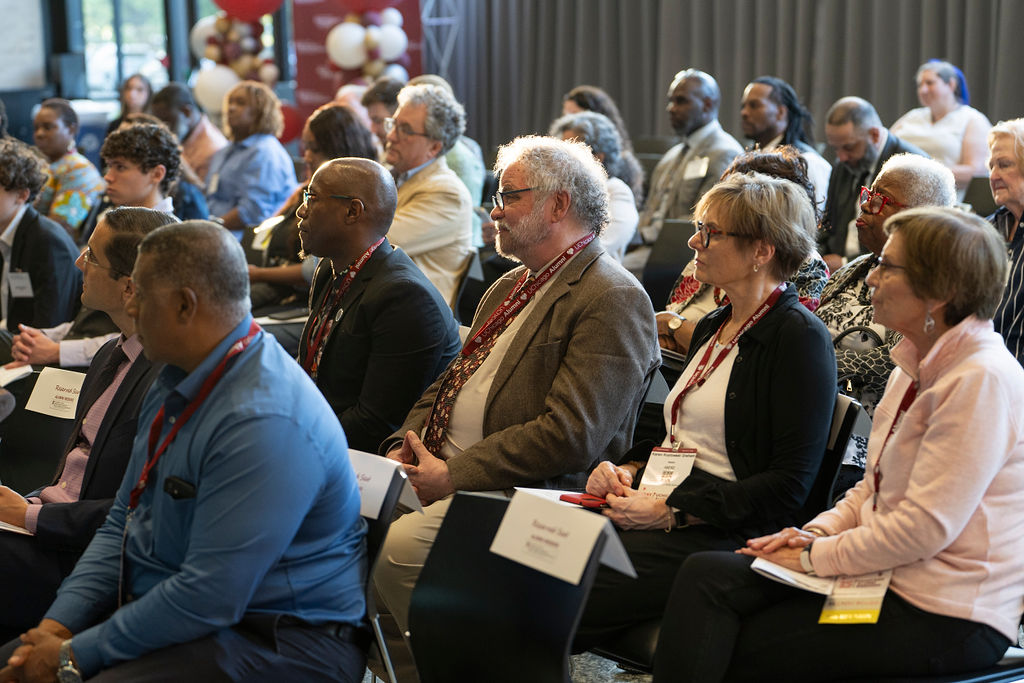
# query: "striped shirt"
x,y
1009,317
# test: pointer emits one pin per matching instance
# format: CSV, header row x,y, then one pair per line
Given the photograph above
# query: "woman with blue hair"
x,y
946,126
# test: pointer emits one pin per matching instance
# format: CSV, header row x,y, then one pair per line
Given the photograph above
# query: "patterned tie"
x,y
458,374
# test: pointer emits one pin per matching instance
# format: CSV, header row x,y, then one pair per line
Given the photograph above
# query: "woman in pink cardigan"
x,y
940,503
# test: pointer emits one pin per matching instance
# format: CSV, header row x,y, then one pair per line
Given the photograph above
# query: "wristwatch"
x,y
675,322
67,672
805,560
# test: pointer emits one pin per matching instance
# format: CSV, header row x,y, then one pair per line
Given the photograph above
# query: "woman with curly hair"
x,y
253,175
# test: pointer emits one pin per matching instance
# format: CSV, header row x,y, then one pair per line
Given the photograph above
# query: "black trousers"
x,y
259,648
617,601
725,622
30,575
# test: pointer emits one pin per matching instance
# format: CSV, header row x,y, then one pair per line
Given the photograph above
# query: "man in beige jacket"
x,y
433,221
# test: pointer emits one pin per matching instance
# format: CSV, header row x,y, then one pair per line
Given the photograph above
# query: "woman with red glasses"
x,y
862,345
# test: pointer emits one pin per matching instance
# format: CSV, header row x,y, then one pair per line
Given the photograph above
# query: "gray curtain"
x,y
514,59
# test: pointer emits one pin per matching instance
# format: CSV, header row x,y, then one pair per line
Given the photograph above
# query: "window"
x,y
123,37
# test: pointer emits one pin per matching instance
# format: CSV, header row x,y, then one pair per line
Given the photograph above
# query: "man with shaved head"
x,y
862,145
689,169
379,333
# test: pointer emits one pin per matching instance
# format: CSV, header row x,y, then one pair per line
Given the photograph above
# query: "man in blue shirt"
x,y
241,549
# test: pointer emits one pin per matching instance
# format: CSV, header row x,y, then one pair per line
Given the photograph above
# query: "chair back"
x,y
384,504
476,615
668,257
470,288
844,418
979,195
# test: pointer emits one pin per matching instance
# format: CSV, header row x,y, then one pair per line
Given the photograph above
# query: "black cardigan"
x,y
778,411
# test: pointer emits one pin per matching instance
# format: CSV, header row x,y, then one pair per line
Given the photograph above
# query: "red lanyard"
x,y
704,370
158,422
516,299
908,397
313,343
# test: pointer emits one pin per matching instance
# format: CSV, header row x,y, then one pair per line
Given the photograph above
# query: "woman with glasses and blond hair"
x,y
940,504
1006,177
755,401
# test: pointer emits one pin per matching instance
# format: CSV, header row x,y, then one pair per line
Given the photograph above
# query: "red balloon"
x,y
249,10
292,124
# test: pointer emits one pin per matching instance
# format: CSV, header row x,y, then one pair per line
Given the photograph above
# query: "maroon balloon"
x,y
292,124
249,10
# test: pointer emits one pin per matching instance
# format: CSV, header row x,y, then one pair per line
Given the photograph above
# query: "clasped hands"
x,y
37,659
428,474
627,508
32,346
783,547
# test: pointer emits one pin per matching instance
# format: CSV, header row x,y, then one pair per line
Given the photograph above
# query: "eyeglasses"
x,y
874,202
498,198
90,258
404,129
310,197
706,231
882,266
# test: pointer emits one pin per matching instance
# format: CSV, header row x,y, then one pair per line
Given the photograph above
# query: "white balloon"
x,y
397,72
345,45
203,29
390,16
269,73
392,42
212,85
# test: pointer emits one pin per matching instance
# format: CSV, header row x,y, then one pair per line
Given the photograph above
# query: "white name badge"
x,y
556,539
56,393
211,187
666,469
856,599
374,475
21,285
696,168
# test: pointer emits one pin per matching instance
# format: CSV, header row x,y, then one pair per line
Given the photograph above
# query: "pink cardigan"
x,y
950,516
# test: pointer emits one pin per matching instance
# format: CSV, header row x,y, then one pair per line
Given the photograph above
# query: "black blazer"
x,y
44,250
396,335
836,218
70,526
778,412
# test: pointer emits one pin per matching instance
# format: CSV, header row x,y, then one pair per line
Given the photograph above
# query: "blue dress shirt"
x,y
256,175
273,527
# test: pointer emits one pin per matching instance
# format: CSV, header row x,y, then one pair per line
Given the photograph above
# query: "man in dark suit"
x,y
59,520
689,169
40,285
378,332
862,146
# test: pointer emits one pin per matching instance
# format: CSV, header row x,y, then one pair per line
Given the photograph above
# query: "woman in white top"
x,y
953,133
599,133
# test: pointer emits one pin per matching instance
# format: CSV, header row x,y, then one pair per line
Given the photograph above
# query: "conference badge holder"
x,y
856,599
665,470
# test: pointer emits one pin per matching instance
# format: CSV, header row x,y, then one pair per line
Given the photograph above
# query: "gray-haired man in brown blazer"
x,y
559,355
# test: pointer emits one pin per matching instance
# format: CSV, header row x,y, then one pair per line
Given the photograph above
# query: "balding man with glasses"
x,y
434,216
378,332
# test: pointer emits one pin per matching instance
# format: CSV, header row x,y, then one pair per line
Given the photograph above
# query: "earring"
x,y
756,267
929,322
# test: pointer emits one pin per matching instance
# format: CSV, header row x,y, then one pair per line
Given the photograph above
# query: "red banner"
x,y
317,79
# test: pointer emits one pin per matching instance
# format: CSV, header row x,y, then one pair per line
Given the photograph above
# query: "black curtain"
x,y
514,59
